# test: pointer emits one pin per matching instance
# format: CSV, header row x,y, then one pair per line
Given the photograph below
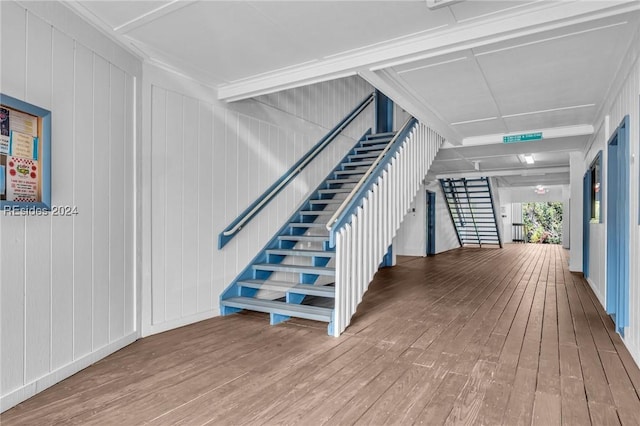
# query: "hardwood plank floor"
x,y
471,336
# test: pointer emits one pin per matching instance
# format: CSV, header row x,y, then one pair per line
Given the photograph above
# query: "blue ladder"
x,y
472,210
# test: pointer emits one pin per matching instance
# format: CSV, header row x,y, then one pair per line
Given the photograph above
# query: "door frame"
x,y
618,225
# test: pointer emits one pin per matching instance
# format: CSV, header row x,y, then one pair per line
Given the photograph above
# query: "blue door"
x,y
431,223
618,226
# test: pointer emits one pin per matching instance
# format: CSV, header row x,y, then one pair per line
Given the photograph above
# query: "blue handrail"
x,y
232,229
355,199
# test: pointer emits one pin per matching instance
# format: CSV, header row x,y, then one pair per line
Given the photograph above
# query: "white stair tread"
x,y
303,269
271,306
285,286
301,252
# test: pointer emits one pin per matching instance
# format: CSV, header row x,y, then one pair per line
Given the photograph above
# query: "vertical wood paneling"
x,y
12,302
62,230
58,272
129,206
101,175
158,201
13,78
83,200
38,235
190,172
116,204
175,204
205,231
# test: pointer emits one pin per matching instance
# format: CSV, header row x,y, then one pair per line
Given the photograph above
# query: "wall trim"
x,y
30,389
149,330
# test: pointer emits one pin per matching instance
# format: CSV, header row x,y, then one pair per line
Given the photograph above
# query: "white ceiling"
x,y
470,69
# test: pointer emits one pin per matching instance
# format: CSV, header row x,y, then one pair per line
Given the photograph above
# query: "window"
x,y
595,170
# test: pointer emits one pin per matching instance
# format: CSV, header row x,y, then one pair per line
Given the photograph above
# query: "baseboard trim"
x,y
148,330
30,389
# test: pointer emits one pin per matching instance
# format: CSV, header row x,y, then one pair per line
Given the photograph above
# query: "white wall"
x,y
624,100
67,285
205,162
411,237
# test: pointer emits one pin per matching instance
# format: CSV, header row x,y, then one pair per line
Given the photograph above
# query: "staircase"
x,y
472,211
294,275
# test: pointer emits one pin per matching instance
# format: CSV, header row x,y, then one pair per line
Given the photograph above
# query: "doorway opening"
x,y
543,222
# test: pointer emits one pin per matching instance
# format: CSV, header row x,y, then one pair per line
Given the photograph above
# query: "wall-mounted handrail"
x,y
249,213
355,197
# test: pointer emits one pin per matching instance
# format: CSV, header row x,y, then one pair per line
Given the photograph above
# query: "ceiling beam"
x,y
539,171
152,15
543,16
549,133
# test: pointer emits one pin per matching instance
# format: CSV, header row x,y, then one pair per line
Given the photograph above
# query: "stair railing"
x,y
250,212
366,222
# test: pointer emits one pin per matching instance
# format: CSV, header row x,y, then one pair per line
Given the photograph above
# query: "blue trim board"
x,y
618,223
290,174
45,161
358,198
248,273
431,223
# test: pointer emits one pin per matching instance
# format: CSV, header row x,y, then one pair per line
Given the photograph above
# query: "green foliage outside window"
x,y
543,222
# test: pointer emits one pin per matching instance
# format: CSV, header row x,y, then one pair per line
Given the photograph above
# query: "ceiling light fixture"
x,y
529,158
540,190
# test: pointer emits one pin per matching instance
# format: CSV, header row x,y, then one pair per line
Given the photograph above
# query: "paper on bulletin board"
x,y
4,131
23,146
2,180
22,179
23,123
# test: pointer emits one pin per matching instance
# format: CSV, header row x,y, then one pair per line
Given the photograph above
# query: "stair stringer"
x,y
362,242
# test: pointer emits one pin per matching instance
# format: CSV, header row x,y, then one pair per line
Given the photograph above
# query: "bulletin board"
x,y
25,155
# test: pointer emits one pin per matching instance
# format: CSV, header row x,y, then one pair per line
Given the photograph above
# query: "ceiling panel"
x,y
117,13
214,36
457,88
481,128
551,119
329,28
563,72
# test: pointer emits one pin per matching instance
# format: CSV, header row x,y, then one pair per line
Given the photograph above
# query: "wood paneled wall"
x,y
67,283
624,99
210,160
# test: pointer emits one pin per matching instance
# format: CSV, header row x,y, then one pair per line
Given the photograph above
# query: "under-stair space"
x,y
472,210
294,275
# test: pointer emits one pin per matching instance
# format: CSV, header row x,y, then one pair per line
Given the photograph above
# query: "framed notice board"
x,y
25,156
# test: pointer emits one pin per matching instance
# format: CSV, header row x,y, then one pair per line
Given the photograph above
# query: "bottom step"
x,y
278,308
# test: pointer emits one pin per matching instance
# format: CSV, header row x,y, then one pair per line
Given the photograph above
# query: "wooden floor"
x,y
472,336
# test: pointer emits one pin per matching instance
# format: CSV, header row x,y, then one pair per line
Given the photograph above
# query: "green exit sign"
x,y
524,137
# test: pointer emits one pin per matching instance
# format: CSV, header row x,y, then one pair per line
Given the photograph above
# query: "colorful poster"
x,y
23,146
2,178
4,131
22,179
